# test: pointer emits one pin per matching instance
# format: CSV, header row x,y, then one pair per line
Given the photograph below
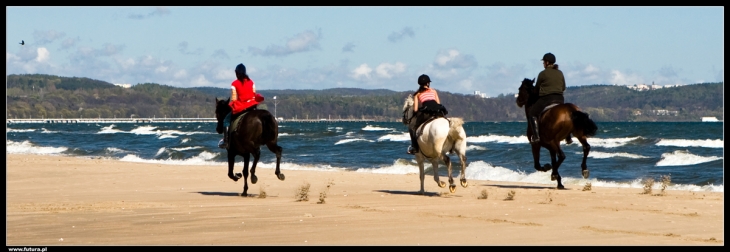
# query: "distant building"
x,y
664,112
480,94
710,119
123,85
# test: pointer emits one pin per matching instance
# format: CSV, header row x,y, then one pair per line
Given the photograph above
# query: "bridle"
x,y
407,120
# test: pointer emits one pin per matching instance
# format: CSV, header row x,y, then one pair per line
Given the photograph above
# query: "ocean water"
x,y
622,153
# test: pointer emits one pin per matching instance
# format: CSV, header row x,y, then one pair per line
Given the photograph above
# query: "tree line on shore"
x,y
49,96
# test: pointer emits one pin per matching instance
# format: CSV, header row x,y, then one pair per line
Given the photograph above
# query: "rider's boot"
x,y
413,149
535,132
223,144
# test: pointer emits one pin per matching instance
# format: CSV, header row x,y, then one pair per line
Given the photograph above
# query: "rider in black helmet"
x,y
426,104
549,87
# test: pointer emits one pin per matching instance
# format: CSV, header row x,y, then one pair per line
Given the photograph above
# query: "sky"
x,y
462,49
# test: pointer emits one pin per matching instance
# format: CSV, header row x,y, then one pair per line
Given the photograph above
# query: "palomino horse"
x,y
556,124
439,137
257,127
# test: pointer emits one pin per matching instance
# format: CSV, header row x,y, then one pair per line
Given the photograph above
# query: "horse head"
x,y
407,109
524,92
221,110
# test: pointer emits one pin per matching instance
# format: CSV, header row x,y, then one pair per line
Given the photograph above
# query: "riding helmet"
x,y
241,69
549,57
423,80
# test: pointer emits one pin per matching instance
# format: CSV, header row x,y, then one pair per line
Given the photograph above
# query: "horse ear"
x,y
216,99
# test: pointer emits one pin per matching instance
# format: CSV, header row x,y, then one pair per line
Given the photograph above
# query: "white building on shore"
x,y
123,85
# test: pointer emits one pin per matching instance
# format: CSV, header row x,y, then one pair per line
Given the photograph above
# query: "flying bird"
x,y
22,42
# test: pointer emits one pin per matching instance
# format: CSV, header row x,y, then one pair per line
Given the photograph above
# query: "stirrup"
x,y
222,144
535,139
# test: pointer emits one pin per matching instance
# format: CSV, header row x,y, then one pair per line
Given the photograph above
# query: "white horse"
x,y
436,139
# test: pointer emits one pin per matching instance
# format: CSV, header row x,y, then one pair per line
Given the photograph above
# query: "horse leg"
x,y
246,158
435,165
422,172
586,149
256,155
556,158
447,161
462,157
536,157
231,163
276,149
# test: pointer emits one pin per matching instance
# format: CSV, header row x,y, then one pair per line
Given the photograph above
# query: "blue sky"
x,y
462,49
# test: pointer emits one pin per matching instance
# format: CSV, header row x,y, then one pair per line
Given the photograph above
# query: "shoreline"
x,y
61,200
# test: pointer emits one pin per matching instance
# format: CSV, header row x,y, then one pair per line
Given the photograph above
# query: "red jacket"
x,y
246,96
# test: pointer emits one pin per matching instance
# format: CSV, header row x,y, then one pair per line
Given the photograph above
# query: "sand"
x,y
60,201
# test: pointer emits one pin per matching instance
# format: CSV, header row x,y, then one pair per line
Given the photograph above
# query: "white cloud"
x,y
387,70
454,59
625,79
200,81
399,35
43,55
179,74
46,37
362,72
302,42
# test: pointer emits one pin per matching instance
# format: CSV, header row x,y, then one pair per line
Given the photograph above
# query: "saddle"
x,y
235,123
419,130
548,107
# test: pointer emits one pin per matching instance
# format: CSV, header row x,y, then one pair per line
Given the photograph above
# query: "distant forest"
x,y
48,96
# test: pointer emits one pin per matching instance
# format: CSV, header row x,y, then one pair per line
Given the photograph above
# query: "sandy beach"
x,y
54,200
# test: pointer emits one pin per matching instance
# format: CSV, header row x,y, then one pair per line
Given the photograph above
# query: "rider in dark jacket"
x,y
549,87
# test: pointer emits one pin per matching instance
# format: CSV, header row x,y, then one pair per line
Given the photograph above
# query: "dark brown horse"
x,y
556,124
257,127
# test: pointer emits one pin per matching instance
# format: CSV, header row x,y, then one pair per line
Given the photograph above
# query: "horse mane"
x,y
408,102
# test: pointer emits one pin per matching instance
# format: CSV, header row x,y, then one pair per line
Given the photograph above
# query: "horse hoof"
x,y
586,174
442,184
238,175
561,187
464,183
244,194
254,179
452,188
280,176
548,167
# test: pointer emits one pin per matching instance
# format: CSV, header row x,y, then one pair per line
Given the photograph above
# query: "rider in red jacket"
x,y
243,97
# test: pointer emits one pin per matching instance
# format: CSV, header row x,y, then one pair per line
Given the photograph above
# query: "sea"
x,y
623,154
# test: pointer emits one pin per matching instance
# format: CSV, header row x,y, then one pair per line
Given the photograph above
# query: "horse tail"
x,y
584,123
269,126
454,127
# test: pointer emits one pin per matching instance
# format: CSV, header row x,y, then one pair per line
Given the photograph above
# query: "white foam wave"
x,y
497,139
343,141
475,147
598,154
611,142
26,147
376,128
162,136
145,130
284,134
187,148
184,140
680,157
708,143
160,151
109,130
45,131
114,150
201,159
8,130
397,137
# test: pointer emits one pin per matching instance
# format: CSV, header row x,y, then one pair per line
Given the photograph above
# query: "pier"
x,y
112,120
164,120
